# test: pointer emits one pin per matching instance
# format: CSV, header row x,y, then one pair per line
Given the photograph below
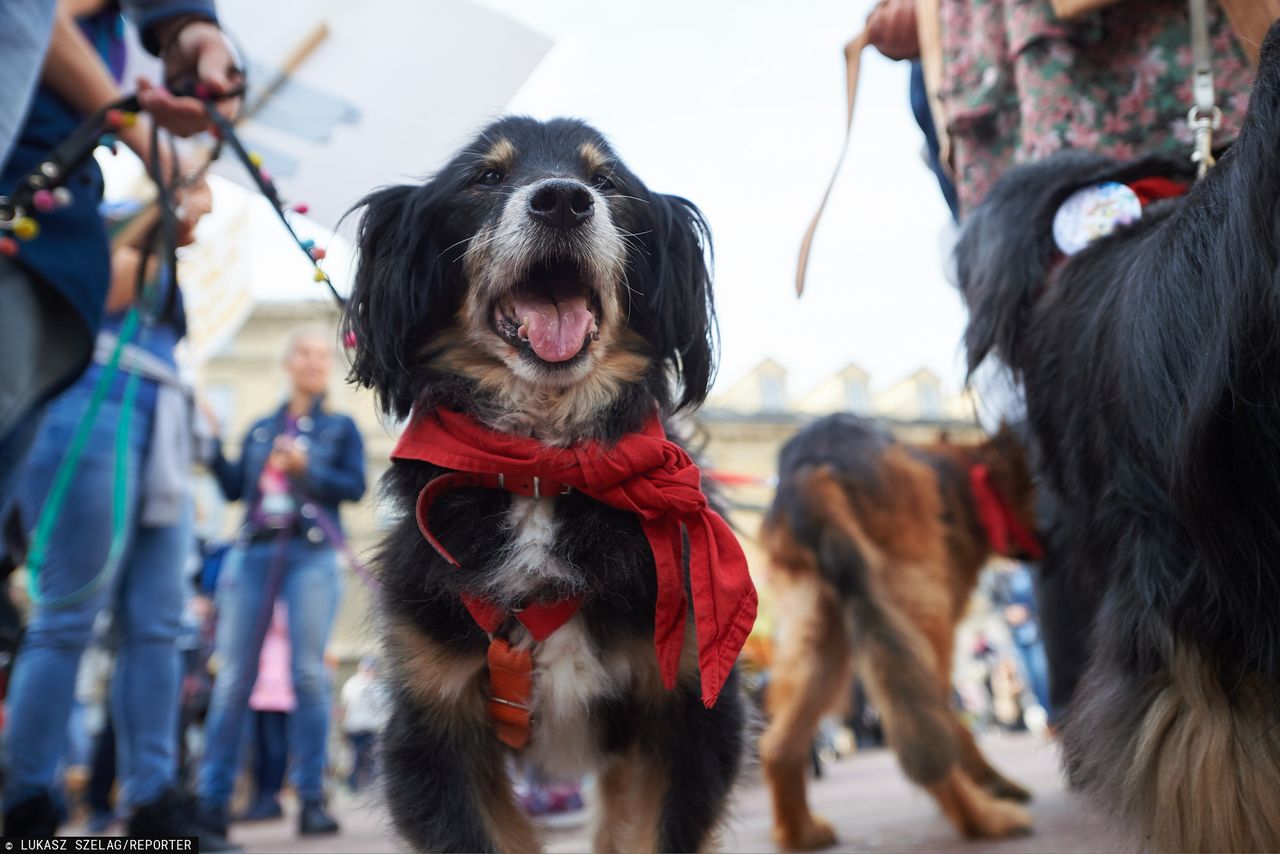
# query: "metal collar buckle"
x,y
537,486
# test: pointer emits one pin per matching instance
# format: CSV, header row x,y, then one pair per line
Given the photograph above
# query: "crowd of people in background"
x,y
155,672
141,661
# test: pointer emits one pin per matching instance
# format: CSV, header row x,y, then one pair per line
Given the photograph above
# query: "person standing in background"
x,y
121,541
1013,592
271,703
365,707
296,467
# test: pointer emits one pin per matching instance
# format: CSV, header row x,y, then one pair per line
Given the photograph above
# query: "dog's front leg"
x,y
446,783
631,793
447,787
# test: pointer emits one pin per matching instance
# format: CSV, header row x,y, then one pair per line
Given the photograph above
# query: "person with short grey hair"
x,y
296,467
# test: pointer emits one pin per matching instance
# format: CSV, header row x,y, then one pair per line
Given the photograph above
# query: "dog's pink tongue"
x,y
557,329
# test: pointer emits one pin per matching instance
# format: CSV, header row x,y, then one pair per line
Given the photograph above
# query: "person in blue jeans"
x,y
1013,591
101,552
296,466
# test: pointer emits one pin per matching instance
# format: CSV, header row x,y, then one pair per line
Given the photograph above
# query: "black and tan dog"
x,y
1150,361
875,547
541,312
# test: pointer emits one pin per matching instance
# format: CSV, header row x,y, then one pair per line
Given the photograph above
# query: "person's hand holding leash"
x,y
196,54
891,29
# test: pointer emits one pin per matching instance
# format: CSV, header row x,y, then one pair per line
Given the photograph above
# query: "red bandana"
x,y
998,519
648,475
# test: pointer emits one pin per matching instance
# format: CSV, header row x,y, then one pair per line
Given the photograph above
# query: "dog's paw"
x,y
811,835
1001,819
1003,787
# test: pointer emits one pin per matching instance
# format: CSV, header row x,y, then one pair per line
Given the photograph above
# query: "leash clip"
x,y
1203,125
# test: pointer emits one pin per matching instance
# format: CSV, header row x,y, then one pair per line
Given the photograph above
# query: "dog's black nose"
x,y
561,204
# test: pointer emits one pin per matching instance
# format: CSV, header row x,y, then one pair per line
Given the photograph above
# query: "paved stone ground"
x,y
871,804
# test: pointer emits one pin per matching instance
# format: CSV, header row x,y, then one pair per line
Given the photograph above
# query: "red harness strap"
x,y
998,518
510,669
1157,187
541,619
510,692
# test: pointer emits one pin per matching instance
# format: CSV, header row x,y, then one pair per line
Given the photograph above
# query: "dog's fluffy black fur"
x,y
1151,365
430,312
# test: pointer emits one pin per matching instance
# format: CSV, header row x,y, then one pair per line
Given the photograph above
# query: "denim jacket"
x,y
335,467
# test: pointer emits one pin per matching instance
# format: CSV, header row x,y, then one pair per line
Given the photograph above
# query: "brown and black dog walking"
x,y
875,547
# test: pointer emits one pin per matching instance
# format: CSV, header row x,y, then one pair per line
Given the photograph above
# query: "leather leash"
x,y
853,67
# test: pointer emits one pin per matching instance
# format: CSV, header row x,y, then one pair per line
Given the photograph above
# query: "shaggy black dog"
x,y
1151,364
539,288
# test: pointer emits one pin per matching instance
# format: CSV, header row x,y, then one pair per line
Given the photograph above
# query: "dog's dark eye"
x,y
603,182
490,177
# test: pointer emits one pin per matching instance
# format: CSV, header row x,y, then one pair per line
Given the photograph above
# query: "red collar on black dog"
x,y
644,473
1004,529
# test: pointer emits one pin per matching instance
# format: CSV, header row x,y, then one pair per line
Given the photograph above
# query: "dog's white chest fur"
x,y
569,674
529,562
568,678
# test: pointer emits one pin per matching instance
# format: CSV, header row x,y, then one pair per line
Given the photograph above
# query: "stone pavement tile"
x,y
872,805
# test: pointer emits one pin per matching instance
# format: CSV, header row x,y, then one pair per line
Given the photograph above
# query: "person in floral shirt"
x,y
1018,83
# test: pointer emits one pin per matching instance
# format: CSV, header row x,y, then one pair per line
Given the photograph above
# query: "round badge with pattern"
x,y
1094,212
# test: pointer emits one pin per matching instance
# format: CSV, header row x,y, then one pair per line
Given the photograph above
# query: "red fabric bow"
x,y
646,474
998,518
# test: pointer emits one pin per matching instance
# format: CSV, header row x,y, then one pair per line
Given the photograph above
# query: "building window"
x,y
773,397
856,398
930,402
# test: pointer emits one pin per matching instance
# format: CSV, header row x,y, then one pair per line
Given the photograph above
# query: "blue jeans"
x,y
269,752
363,759
145,593
308,583
1035,669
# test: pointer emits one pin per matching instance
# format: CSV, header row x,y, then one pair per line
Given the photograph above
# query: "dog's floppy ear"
x,y
1006,246
398,284
1002,259
672,303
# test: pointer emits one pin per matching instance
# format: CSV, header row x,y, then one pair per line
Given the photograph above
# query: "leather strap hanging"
x,y
853,66
510,692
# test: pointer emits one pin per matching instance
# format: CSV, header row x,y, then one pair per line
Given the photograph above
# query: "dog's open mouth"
x,y
552,313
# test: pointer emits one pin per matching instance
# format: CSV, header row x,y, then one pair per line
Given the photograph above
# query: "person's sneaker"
x,y
315,820
36,816
173,815
212,820
264,809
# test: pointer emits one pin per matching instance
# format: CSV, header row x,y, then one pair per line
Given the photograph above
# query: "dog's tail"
x,y
815,528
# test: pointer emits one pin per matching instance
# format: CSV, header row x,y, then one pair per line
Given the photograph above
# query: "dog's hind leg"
x,y
812,670
932,746
976,766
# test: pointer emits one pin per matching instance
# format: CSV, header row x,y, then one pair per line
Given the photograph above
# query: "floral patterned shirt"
x,y
1019,84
